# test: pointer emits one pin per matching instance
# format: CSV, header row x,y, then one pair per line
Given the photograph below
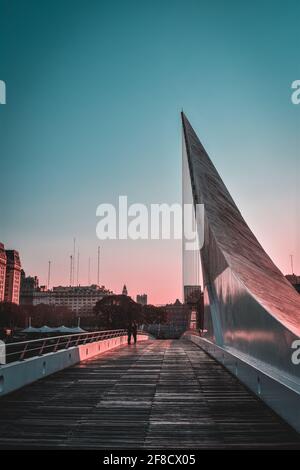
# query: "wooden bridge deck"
x,y
158,394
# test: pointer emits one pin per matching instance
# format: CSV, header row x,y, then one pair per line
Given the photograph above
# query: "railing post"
x,y
93,338
86,339
42,348
68,342
56,345
22,355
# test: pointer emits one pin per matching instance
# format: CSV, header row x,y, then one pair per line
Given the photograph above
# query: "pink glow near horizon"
x,y
151,267
146,266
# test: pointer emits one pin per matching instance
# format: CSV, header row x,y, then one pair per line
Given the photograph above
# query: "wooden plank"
x,y
159,394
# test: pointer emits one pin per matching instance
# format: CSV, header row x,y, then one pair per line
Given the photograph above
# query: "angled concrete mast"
x,y
249,304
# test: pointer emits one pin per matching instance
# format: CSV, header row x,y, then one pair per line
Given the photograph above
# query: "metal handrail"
x,y
38,347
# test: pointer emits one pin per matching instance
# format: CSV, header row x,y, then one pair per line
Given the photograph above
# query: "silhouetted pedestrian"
x,y
129,332
134,331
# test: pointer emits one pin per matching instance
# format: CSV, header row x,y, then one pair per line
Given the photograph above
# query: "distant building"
x,y
2,271
13,277
193,319
294,280
142,299
29,285
124,291
178,315
192,294
80,300
193,297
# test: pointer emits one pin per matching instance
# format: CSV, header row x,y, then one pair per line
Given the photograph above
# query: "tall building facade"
x,y
80,300
13,277
142,299
29,285
192,294
2,271
178,314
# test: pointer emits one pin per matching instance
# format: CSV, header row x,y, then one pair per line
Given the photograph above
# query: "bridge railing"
x,y
38,347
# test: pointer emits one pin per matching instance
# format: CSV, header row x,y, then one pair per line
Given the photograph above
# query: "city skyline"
x,y
92,112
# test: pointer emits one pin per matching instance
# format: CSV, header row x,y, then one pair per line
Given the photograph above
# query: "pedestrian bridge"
x,y
223,389
156,394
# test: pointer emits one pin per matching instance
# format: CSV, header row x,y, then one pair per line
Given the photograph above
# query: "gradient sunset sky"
x,y
94,94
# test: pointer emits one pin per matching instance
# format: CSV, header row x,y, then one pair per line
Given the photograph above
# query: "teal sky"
x,y
94,92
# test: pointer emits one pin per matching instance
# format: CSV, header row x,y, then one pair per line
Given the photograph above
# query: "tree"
x,y
43,314
117,311
11,315
154,314
17,316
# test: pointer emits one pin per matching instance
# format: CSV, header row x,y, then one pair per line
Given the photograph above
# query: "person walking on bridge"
x,y
134,331
129,332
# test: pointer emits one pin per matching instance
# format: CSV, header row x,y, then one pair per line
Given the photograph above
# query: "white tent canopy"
x,y
77,329
47,329
65,329
31,329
